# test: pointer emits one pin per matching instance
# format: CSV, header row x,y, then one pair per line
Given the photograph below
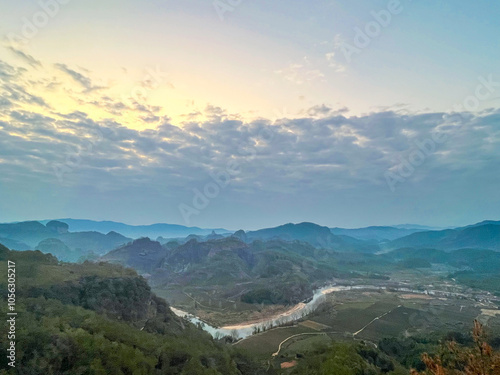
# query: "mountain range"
x,y
55,238
485,235
285,270
73,240
376,233
136,231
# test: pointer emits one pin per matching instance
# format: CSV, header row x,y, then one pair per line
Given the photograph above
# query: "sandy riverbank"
x,y
250,324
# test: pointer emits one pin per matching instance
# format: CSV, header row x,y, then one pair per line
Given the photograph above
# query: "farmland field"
x,y
372,315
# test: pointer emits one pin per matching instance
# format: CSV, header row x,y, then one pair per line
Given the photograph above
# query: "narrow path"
x,y
375,319
325,333
291,337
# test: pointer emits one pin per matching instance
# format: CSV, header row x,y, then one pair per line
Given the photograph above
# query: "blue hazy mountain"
x,y
314,234
484,235
137,231
55,238
376,233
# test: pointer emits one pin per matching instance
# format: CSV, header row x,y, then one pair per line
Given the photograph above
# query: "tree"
x,y
458,360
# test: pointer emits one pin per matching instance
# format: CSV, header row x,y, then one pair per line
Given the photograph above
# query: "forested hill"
x,y
101,319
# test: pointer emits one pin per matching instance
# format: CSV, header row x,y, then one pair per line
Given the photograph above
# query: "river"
x,y
244,330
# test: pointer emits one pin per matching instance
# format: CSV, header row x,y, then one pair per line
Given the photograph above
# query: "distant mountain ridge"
x,y
314,234
72,239
55,238
137,231
375,233
415,226
485,235
484,222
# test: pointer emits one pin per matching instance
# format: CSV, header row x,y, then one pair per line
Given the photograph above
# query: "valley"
x,y
374,315
279,294
438,296
235,187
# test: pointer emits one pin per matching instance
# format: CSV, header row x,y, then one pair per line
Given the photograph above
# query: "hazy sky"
x,y
345,113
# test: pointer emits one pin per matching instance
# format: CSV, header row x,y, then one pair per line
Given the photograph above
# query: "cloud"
x,y
332,57
306,153
325,147
46,86
300,73
14,90
24,56
84,81
325,158
334,64
323,111
9,72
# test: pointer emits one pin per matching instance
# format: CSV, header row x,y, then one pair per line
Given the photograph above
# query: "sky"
x,y
249,114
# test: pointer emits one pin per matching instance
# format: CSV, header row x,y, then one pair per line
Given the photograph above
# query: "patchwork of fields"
x,y
373,316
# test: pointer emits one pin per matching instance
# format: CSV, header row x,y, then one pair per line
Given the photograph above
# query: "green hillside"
x,y
102,319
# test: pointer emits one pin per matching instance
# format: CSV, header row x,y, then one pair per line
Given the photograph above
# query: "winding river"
x,y
244,330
